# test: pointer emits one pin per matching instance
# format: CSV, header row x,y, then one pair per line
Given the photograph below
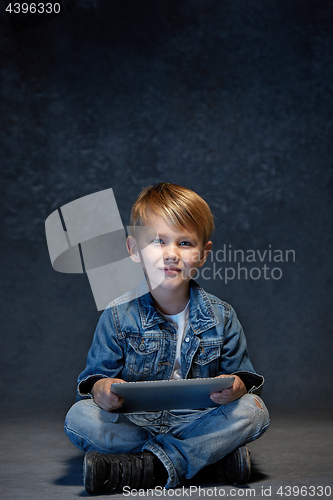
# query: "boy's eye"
x,y
158,241
185,243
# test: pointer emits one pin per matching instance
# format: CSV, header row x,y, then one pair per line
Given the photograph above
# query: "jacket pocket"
x,y
206,361
141,356
206,353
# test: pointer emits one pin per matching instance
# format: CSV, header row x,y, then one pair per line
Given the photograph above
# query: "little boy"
x,y
167,328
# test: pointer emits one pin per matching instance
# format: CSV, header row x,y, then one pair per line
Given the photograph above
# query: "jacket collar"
x,y
201,315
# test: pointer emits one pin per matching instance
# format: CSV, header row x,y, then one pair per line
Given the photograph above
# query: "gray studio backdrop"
x,y
230,98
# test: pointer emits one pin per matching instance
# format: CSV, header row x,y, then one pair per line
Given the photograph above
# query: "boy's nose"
x,y
171,253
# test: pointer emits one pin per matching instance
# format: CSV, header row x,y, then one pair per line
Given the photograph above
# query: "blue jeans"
x,y
184,440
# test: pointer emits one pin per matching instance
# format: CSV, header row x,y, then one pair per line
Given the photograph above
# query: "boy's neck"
x,y
171,301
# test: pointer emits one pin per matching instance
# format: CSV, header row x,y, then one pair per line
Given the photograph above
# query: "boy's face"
x,y
170,256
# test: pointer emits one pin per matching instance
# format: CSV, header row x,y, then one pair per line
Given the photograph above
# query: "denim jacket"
x,y
134,342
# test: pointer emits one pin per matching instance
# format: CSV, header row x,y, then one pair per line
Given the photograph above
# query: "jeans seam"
x,y
187,432
259,433
157,451
77,434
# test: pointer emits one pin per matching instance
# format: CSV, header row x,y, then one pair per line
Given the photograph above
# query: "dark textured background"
x,y
232,99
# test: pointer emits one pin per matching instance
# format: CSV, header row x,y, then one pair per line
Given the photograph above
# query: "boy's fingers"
x,y
218,395
221,400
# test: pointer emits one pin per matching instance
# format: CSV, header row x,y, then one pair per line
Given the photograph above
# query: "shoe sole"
x,y
133,470
238,468
90,473
244,465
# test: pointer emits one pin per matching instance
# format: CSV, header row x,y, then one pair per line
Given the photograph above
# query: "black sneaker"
x,y
237,466
107,473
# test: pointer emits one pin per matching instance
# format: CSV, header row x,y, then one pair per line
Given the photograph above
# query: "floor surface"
x,y
39,463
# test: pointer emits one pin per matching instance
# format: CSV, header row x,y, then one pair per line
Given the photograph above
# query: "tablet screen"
x,y
170,394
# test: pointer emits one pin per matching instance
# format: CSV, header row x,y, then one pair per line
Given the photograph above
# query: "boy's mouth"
x,y
172,270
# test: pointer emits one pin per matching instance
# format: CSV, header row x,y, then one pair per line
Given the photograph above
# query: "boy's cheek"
x,y
152,256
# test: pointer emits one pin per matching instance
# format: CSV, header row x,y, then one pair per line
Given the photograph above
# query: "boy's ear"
x,y
132,249
205,252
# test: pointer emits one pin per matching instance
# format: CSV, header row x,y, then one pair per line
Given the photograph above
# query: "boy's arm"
x,y
105,357
235,361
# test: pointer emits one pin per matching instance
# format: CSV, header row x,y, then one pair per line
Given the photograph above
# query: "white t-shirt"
x,y
179,322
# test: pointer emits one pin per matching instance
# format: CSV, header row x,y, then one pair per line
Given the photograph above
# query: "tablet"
x,y
170,394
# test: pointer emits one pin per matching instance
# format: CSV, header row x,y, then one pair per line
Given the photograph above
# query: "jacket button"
x,y
142,347
187,339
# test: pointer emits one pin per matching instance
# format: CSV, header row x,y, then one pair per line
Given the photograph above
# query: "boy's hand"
x,y
103,397
227,395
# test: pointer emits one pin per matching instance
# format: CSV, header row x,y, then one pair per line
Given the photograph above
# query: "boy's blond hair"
x,y
179,206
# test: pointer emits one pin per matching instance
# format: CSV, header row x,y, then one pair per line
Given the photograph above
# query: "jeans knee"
x,y
68,417
78,416
253,409
254,401
74,415
71,419
258,412
77,422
